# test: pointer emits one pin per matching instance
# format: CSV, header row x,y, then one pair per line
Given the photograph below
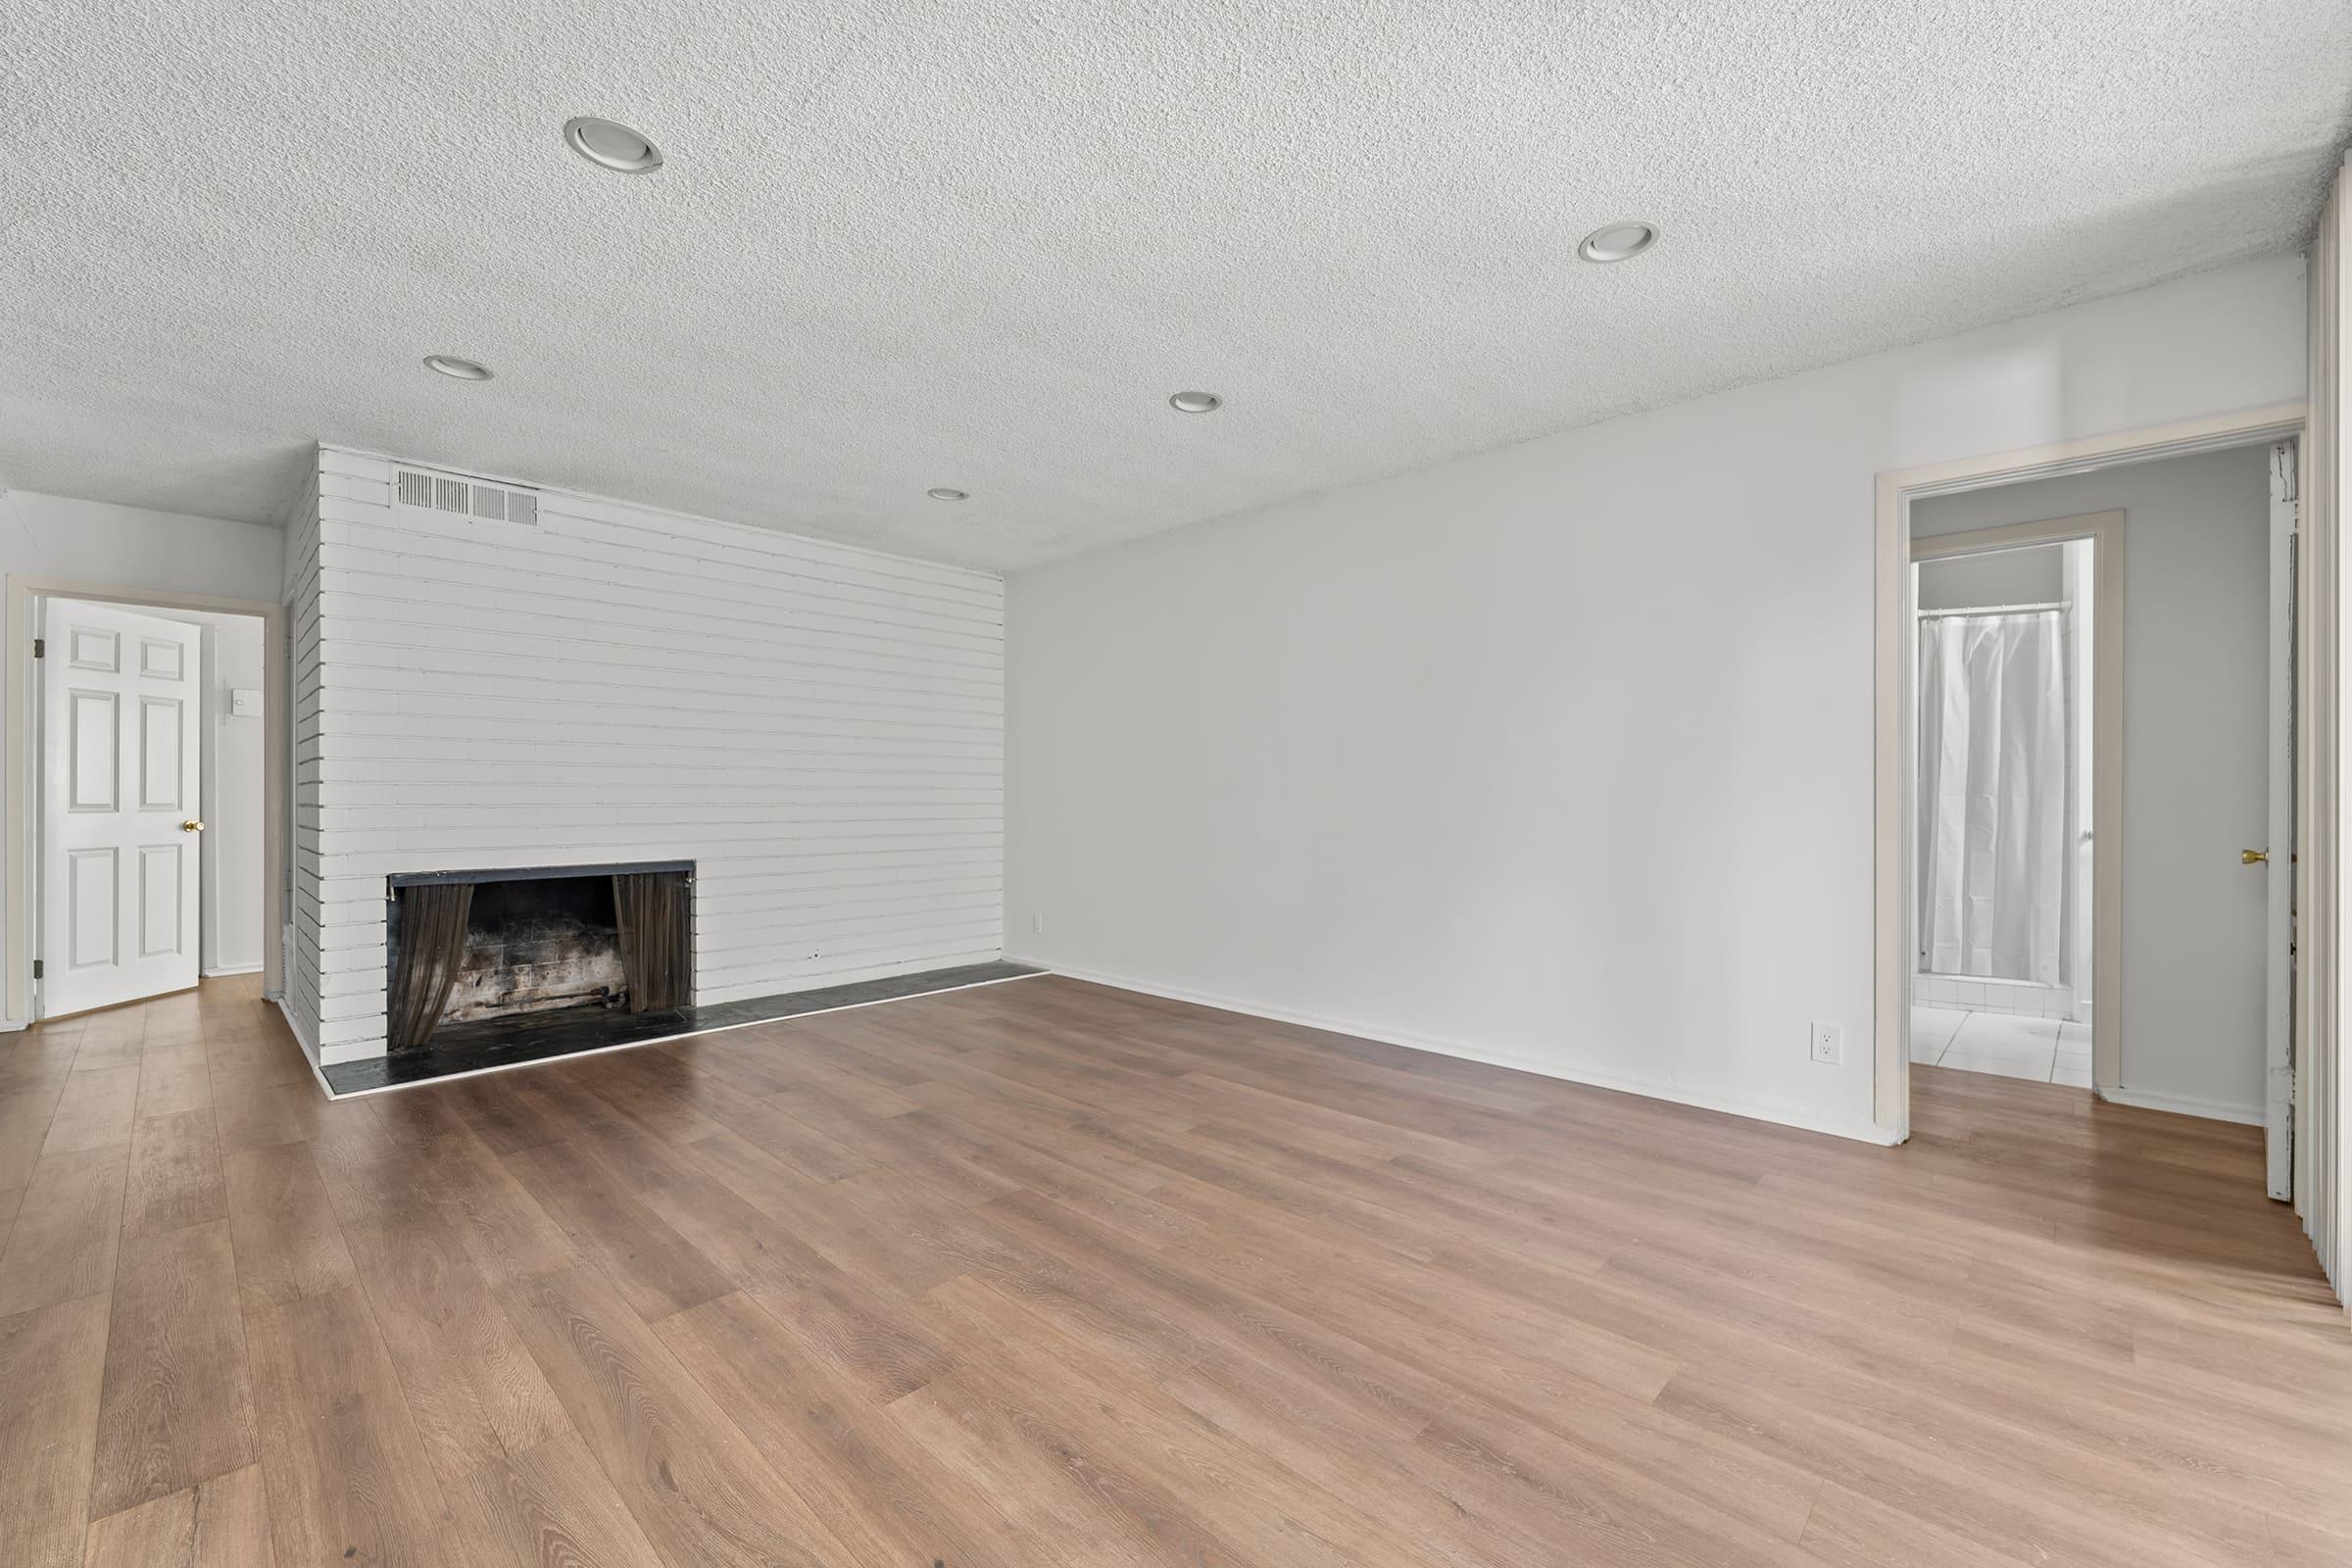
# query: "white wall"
x,y
234,806
818,727
1561,754
2196,631
2034,577
93,541
96,541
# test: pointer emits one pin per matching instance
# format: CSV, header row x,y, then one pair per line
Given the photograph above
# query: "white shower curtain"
x,y
1993,743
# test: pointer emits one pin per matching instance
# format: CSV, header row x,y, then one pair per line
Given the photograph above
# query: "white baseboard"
x,y
226,969
9,1027
2183,1105
1867,1133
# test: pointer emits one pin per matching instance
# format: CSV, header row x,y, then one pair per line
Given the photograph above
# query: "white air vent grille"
x,y
467,498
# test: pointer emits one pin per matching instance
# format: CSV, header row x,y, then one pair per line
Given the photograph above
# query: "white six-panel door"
x,y
120,703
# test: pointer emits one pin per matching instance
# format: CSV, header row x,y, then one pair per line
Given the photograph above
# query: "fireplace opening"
x,y
531,946
469,952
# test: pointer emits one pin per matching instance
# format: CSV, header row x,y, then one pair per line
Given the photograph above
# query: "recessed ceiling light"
x,y
945,493
462,369
1615,242
1196,403
609,144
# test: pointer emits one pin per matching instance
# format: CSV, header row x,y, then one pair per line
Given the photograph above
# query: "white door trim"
x,y
1897,489
2278,831
2105,530
23,828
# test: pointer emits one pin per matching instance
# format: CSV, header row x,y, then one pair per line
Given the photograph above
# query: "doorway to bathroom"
x,y
2006,669
2098,798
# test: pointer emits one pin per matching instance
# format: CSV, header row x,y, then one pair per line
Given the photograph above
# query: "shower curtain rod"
x,y
1997,610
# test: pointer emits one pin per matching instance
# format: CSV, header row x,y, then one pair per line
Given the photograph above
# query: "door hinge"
x,y
36,968
40,648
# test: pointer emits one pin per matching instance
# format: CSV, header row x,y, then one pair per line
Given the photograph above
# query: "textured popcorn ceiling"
x,y
905,245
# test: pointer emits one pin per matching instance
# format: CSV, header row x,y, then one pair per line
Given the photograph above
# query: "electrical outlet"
x,y
1828,1043
1037,926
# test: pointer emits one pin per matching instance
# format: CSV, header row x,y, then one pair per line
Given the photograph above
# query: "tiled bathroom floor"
x,y
2043,1049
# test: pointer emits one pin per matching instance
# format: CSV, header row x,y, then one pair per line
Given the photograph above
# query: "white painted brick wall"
x,y
302,969
821,728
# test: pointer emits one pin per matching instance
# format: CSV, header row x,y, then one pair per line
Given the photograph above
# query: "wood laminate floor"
x,y
1044,1273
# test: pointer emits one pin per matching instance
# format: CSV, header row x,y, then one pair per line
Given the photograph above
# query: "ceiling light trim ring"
x,y
583,133
1618,241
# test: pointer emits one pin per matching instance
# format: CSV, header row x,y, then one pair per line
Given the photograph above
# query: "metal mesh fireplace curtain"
x,y
651,909
432,951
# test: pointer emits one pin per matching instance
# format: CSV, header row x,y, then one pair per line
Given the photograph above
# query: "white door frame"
x,y
21,824
1893,954
2278,850
2105,531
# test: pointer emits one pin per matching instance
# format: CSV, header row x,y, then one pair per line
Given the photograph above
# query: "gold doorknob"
x,y
192,826
2252,857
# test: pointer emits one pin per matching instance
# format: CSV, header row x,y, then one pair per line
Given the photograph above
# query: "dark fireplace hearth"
x,y
470,951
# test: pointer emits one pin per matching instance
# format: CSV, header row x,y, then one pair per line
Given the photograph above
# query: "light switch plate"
x,y
245,702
